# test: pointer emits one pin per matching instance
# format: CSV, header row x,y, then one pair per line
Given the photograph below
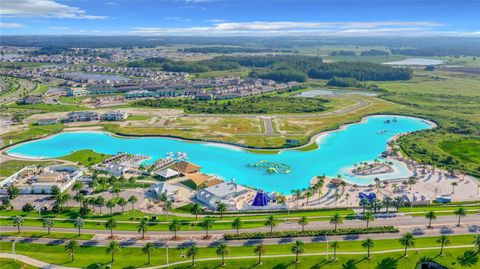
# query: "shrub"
x,y
341,231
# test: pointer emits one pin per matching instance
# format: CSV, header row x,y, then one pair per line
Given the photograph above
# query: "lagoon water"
x,y
337,152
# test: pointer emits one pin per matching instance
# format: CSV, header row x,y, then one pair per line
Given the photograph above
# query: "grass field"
x,y
132,256
33,132
85,157
53,235
11,264
467,150
10,167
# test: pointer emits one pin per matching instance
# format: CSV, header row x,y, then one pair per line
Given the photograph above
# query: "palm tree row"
x,y
298,247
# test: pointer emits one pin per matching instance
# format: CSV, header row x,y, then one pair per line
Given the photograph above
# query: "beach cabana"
x,y
167,173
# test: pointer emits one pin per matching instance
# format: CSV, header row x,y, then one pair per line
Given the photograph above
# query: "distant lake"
x,y
97,77
314,93
9,56
416,61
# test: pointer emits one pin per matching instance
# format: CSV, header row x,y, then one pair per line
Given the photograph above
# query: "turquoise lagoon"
x,y
336,154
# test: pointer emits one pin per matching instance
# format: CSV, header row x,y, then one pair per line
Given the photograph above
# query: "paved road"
x,y
268,126
470,224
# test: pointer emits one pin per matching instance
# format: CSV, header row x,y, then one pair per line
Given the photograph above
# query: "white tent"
x,y
167,173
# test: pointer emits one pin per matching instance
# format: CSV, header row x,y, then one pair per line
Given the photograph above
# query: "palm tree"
x,y
113,248
271,222
347,196
303,221
476,242
308,195
207,223
387,201
377,184
259,250
132,200
431,215
460,212
71,246
387,263
298,248
99,202
468,259
195,210
77,186
336,219
454,184
79,198
237,224
191,252
48,223
222,250
368,244
116,191
174,226
147,249
335,245
368,217
17,222
407,240
142,227
110,224
122,202
411,181
337,197
111,204
78,223
167,206
221,208
443,240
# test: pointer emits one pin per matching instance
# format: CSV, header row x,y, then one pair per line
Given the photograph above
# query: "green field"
x,y
132,256
11,264
85,157
32,132
10,167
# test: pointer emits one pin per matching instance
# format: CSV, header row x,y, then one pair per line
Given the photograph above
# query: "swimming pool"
x,y
337,151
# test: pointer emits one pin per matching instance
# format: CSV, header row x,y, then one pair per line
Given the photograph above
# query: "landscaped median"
x,y
341,231
274,256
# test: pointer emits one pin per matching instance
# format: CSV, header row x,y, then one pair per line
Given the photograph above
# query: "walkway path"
x,y
268,125
32,261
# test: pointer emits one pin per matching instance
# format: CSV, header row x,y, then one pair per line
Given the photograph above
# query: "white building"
x,y
167,173
115,116
171,191
230,193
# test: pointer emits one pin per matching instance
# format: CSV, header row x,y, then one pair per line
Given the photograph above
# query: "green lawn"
x,y
33,132
53,235
11,264
10,167
139,117
467,150
133,256
85,157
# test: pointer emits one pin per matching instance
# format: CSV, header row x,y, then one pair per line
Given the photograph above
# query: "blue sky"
x,y
247,17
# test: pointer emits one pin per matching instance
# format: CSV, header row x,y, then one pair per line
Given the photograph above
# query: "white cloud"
x,y
58,28
11,25
215,20
295,28
178,19
43,8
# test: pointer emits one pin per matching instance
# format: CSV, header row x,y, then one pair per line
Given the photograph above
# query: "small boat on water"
x,y
382,132
394,119
387,121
